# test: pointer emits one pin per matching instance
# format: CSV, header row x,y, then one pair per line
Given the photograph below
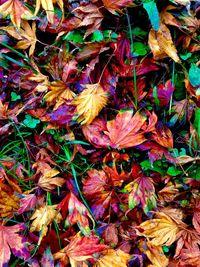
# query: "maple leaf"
x,y
142,192
160,231
42,217
162,135
189,258
48,7
11,240
16,10
154,253
196,215
47,258
28,202
89,16
77,212
161,44
113,258
59,94
115,6
26,36
48,181
79,249
90,102
9,202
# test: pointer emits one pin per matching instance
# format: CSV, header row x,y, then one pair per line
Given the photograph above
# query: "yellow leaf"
x,y
59,94
26,36
161,44
90,102
47,5
154,253
42,217
16,10
48,183
113,258
161,231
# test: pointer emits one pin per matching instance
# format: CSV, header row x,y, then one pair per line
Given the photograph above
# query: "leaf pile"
x,y
100,133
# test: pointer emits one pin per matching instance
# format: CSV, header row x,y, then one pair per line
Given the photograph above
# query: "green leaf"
x,y
14,96
153,14
109,35
172,171
139,49
197,121
74,36
30,122
138,32
194,75
186,56
97,36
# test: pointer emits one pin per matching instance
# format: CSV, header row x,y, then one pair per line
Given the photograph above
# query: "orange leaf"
x,y
90,102
161,44
115,6
26,36
163,136
16,10
113,258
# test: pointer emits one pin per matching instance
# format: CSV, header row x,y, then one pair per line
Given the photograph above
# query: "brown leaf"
x,y
163,136
90,102
16,10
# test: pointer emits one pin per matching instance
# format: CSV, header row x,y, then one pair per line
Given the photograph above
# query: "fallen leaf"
x,y
16,10
42,217
113,258
9,202
115,6
161,44
47,258
90,102
80,248
27,202
160,231
162,135
75,213
154,253
26,36
141,191
47,5
59,93
48,181
12,241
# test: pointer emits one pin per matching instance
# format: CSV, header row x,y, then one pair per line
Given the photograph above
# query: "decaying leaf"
x,y
11,240
17,11
160,231
113,258
116,6
42,217
90,102
80,248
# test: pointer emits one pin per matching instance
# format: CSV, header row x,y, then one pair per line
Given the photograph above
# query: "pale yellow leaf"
x,y
42,217
16,10
161,231
48,181
47,5
113,258
90,102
